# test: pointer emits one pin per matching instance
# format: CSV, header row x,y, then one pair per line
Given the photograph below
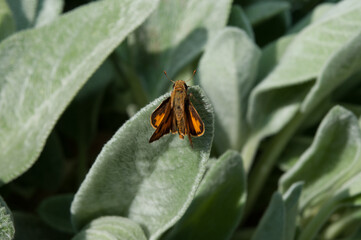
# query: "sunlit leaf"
x,y
149,183
42,69
227,72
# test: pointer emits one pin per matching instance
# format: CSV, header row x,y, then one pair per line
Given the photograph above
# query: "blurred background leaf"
x,y
238,18
174,35
217,207
227,72
275,103
279,220
33,98
35,13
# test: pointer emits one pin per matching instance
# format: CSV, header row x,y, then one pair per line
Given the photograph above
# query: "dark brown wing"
x,y
196,125
164,127
159,113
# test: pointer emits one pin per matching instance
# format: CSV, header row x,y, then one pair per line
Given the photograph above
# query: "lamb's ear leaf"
x,y
317,13
238,18
7,230
172,37
228,81
269,19
35,13
149,183
273,52
338,144
111,227
272,223
278,97
279,220
43,68
216,210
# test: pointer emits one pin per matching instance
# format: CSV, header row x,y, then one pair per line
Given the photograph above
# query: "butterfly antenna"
x,y
165,73
194,73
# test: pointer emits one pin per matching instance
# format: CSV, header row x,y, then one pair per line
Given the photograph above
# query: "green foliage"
x,y
279,221
228,81
34,13
6,222
224,184
148,183
279,95
111,227
47,88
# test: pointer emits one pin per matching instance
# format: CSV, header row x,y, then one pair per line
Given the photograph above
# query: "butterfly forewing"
x,y
159,113
162,119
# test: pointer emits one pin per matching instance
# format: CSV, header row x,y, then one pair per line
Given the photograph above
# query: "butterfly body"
x,y
177,114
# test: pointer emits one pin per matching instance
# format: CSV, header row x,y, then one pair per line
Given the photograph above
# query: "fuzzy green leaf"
x,y
227,73
333,157
173,36
7,229
42,70
273,52
217,208
319,11
279,220
238,18
272,223
55,211
35,13
291,202
150,183
112,227
293,151
269,19
7,25
275,101
262,11
338,68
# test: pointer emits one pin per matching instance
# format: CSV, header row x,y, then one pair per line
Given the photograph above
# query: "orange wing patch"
x,y
196,125
157,116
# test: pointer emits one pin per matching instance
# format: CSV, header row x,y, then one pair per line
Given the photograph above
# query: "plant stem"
x,y
268,158
249,151
312,228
